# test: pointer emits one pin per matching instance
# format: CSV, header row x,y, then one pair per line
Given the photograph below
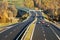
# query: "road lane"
x,y
55,29
32,17
49,33
13,32
38,33
42,32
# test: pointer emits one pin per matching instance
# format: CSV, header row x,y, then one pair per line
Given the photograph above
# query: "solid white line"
x,y
33,29
32,33
8,28
25,33
3,30
19,36
55,33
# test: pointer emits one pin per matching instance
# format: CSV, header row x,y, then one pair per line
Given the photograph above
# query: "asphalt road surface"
x,y
41,31
12,32
44,30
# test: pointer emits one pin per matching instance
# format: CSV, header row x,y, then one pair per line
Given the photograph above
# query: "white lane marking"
x,y
45,39
44,35
11,32
8,28
20,34
43,31
32,33
27,30
33,29
55,33
59,38
6,36
24,34
3,30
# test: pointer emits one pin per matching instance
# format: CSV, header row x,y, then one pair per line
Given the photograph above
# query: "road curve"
x,y
16,29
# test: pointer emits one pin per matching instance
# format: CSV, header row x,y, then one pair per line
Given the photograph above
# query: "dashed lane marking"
x,y
44,35
45,39
43,31
11,32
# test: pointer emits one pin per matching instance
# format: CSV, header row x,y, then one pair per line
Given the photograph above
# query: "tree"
x,y
7,11
29,3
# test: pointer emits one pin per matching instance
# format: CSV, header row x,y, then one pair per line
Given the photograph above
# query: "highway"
x,y
45,30
16,29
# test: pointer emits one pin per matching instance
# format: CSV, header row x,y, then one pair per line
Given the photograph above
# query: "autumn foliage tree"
x,y
51,4
29,3
7,12
3,12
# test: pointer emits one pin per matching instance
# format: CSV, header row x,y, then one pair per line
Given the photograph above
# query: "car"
x,y
47,24
42,22
38,22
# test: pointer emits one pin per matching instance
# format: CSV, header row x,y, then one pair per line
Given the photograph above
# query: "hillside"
x,y
17,3
7,12
52,7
